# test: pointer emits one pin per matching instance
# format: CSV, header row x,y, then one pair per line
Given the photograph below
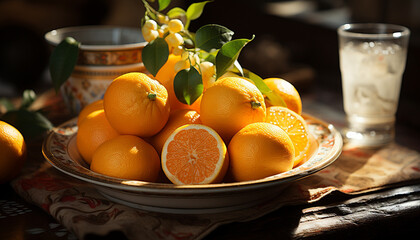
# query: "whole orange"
x,y
12,152
230,104
287,91
136,104
93,131
260,150
166,76
177,118
96,105
127,157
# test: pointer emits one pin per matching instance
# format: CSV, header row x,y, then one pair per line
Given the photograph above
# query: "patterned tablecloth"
x,y
81,209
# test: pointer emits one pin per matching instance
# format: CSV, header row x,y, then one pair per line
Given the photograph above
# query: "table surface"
x,y
393,212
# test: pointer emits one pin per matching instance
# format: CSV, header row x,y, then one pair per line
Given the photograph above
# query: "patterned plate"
x,y
59,149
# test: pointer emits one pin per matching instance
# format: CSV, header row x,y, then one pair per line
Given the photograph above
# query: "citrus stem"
x,y
152,96
255,105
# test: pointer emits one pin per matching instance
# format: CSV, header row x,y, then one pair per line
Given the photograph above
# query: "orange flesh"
x,y
292,126
192,160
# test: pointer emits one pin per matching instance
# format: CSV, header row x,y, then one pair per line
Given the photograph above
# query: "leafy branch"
x,y
30,123
212,43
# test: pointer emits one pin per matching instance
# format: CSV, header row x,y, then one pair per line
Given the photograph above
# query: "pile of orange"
x,y
140,131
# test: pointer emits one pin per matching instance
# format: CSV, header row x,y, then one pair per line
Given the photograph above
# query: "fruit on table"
x,y
137,105
260,150
230,104
96,105
294,125
127,157
189,146
93,131
313,146
176,119
194,154
12,152
287,92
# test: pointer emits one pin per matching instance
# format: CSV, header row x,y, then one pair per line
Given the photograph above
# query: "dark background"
x,y
296,40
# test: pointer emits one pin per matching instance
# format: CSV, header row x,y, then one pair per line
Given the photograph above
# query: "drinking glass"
x,y
372,62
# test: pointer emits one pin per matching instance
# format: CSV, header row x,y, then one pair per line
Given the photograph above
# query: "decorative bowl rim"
x,y
52,37
333,148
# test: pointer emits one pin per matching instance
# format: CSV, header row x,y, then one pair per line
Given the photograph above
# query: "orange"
x,y
96,105
287,91
260,150
232,74
230,104
209,81
177,118
12,152
313,146
194,154
93,131
294,125
135,104
166,76
127,157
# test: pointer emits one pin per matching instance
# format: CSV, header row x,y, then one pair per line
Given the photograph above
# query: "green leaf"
x,y
228,54
155,54
28,98
30,124
207,56
195,10
212,36
188,85
7,104
176,12
211,58
272,96
163,4
63,60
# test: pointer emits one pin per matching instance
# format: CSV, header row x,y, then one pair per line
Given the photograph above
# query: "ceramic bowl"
x,y
60,151
106,52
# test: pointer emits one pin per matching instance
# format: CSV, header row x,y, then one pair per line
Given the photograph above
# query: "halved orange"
x,y
294,125
194,154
